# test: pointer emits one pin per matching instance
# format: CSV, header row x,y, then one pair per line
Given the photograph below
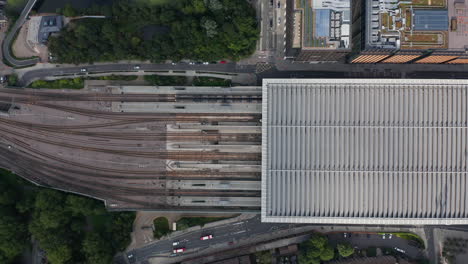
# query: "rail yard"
x,y
138,147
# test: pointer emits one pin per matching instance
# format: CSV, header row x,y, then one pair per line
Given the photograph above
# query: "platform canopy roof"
x,y
353,151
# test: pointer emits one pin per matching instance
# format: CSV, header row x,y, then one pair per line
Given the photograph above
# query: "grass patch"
x,y
115,78
186,222
161,80
211,81
161,227
75,83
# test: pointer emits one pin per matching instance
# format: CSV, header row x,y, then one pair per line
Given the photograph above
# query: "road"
x,y
222,236
32,75
238,234
11,36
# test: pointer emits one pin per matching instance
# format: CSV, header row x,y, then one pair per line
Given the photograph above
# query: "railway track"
x,y
138,187
172,136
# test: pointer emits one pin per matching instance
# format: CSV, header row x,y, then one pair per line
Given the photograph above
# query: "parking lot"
x,y
367,240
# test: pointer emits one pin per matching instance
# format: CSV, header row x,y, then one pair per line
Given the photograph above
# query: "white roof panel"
x,y
357,151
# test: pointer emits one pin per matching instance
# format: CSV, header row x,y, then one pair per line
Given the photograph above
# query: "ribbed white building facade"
x,y
365,151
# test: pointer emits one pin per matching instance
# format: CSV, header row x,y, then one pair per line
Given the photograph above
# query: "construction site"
x,y
138,147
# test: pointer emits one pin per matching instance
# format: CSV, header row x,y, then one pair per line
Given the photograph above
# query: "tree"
x,y
12,79
210,27
60,254
345,249
328,253
97,250
80,205
190,29
319,241
69,11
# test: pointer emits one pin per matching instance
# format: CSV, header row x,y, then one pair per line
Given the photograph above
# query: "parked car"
x,y
206,237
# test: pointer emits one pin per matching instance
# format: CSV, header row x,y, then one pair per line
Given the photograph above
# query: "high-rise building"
x,y
318,30
413,31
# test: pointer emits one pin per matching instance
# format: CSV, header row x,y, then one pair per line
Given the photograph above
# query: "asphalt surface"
x,y
363,241
223,236
11,36
131,67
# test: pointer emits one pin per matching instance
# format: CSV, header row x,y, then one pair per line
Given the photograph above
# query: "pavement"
x,y
11,35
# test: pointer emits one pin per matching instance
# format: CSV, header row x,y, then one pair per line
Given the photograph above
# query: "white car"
x,y
206,63
206,237
390,236
383,236
178,250
399,250
176,243
136,67
83,70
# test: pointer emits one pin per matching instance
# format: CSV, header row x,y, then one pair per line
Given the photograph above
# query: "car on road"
x,y
206,237
83,70
206,63
175,243
399,250
223,62
178,250
390,236
384,236
345,235
130,256
136,67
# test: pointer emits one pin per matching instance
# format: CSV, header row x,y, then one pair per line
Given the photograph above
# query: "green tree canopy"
x,y
345,249
97,250
188,29
328,253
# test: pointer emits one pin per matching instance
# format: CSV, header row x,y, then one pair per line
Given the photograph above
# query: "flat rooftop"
x,y
352,151
321,24
416,24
